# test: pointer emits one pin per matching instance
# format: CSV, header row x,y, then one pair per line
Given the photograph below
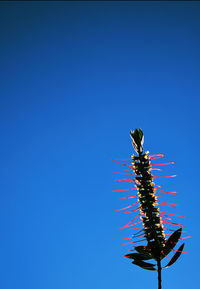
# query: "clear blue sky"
x,y
75,79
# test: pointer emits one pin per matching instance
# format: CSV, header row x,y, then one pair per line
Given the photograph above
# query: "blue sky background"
x,y
75,79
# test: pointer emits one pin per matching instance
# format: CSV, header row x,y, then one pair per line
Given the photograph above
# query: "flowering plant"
x,y
155,224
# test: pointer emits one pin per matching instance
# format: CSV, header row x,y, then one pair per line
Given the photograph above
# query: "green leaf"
x,y
137,140
140,249
171,242
134,140
143,250
176,256
138,256
144,265
141,136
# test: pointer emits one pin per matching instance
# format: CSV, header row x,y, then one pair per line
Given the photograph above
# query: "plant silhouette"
x,y
155,224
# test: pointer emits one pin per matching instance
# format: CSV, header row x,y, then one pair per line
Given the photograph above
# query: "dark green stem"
x,y
159,273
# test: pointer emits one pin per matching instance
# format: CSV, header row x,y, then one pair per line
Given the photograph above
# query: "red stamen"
x,y
170,223
154,158
122,163
124,159
127,206
163,177
131,211
129,197
123,173
165,218
170,204
162,191
120,180
172,230
185,237
136,228
162,164
165,255
130,222
124,190
167,229
175,243
172,214
181,251
127,243
157,185
135,224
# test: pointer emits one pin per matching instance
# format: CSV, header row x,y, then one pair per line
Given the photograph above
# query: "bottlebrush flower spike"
x,y
153,221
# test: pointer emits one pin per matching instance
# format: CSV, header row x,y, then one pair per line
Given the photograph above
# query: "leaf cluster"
x,y
147,252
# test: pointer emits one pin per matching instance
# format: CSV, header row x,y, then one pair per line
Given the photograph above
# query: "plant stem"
x,y
159,273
